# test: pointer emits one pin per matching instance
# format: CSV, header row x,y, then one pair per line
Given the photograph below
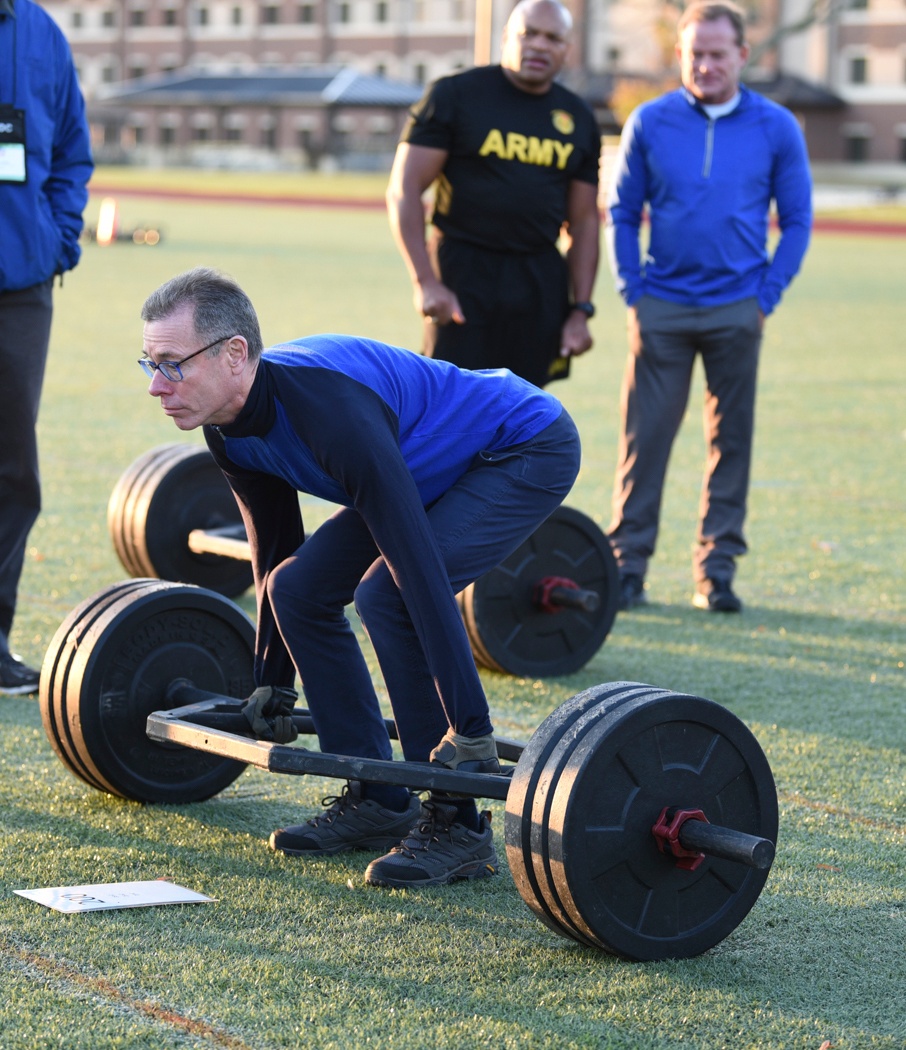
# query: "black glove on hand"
x,y
269,711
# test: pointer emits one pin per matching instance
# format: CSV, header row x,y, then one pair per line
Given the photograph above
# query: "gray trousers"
x,y
662,350
25,318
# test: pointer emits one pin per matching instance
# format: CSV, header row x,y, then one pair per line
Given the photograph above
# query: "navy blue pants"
x,y
496,505
25,318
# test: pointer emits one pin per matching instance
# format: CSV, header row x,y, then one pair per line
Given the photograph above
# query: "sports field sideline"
x,y
848,210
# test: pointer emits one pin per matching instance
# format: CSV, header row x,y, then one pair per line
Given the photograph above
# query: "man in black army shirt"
x,y
514,156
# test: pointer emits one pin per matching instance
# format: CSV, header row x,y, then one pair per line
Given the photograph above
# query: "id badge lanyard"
x,y
12,144
12,132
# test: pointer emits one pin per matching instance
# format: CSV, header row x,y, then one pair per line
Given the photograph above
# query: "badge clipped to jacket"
x,y
12,144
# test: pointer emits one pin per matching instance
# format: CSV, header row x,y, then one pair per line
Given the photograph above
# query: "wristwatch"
x,y
587,308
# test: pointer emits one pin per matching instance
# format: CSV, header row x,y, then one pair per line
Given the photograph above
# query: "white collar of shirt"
x,y
723,108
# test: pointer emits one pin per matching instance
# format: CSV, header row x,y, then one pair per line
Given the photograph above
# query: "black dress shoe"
x,y
716,595
632,591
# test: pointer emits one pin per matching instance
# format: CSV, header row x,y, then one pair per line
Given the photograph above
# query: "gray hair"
x,y
220,306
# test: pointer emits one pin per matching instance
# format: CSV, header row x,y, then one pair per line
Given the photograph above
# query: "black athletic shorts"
x,y
515,307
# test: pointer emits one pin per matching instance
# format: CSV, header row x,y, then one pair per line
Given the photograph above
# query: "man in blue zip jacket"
x,y
439,473
707,160
45,165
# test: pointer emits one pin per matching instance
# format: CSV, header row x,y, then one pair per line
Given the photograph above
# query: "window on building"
x,y
344,13
858,70
420,73
138,135
234,134
236,16
270,14
201,134
137,16
203,16
135,71
108,19
858,5
903,149
269,138
170,16
167,136
76,20
380,70
108,74
380,11
305,14
857,148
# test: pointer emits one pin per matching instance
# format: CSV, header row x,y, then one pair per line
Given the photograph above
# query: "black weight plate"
x,y
526,799
55,669
120,674
509,633
539,815
610,876
147,472
120,507
172,493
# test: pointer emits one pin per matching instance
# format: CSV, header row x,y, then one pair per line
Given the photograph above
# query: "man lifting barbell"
x,y
439,474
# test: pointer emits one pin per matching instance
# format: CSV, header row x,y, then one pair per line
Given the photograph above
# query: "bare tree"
x,y
816,12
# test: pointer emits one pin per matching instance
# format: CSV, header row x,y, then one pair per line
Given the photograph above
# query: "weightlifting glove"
x,y
269,711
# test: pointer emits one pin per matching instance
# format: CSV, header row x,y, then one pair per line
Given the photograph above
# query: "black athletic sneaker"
x,y
716,596
350,822
437,851
16,677
632,591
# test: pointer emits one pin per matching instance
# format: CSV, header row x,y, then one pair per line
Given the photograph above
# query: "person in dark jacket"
x,y
514,159
45,165
707,160
439,473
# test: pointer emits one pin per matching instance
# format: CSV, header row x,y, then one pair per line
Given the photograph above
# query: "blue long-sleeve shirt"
x,y
385,431
708,185
41,218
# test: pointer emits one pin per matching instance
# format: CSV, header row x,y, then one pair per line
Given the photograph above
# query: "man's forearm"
x,y
582,258
407,222
624,255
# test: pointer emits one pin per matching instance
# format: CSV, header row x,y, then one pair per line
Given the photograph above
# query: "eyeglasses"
x,y
172,370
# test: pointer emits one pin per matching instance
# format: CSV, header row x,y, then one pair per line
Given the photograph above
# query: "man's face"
x,y
711,62
208,390
535,43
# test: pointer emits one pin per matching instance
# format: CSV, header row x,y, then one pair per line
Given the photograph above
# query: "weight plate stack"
x,y
110,665
164,495
509,631
588,789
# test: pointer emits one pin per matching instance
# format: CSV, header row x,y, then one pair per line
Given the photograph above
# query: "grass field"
x,y
301,953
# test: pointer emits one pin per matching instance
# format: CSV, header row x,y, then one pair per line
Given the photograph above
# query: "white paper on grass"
x,y
106,896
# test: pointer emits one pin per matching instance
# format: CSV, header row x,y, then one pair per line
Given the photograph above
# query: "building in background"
x,y
290,83
857,52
